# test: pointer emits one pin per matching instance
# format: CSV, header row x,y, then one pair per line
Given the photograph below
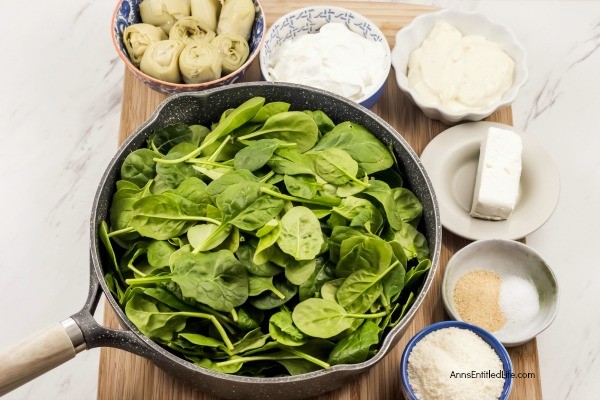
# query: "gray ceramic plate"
x,y
451,162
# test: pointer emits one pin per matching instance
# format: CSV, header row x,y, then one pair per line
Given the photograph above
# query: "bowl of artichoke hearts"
x,y
178,46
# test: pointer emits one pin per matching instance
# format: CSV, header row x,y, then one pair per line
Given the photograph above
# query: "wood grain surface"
x,y
33,356
125,376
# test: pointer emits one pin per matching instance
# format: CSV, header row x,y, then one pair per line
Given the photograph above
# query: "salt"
x,y
519,299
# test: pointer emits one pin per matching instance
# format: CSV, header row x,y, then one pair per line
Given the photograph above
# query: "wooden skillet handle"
x,y
37,354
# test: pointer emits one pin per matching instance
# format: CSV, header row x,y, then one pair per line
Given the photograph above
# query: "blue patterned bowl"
x,y
127,13
310,20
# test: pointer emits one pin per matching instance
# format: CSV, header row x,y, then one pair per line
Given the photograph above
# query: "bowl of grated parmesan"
x,y
455,360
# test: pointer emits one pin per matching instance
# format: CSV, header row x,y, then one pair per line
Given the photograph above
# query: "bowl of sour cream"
x,y
458,66
329,48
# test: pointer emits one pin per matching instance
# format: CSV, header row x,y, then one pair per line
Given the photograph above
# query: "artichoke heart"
x,y
200,62
137,39
237,17
161,61
164,13
233,49
207,11
190,29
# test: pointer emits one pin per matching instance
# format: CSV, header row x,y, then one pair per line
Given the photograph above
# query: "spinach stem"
x,y
252,135
189,155
129,229
234,315
308,357
216,153
368,316
155,149
194,218
147,280
211,163
134,269
223,319
267,176
325,203
215,322
358,181
255,358
277,293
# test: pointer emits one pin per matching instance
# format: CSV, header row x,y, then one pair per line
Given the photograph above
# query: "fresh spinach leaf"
x,y
245,254
202,239
360,213
268,301
324,319
408,206
304,186
256,154
299,271
243,206
165,139
354,348
370,153
270,109
218,279
363,253
139,167
160,217
413,242
416,272
152,318
258,285
218,186
337,167
292,127
282,330
324,272
172,175
301,235
324,123
235,118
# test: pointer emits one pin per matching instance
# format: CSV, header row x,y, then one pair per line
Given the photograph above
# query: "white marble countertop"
x,y
62,92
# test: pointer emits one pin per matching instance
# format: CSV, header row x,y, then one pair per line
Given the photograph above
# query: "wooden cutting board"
x,y
124,376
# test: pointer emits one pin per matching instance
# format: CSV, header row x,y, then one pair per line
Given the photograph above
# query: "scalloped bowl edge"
x,y
411,37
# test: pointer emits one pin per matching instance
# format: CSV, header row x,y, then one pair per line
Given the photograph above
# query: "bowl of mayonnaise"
x,y
458,66
330,48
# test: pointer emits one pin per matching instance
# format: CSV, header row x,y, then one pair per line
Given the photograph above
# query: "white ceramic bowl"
x,y
309,20
506,258
412,36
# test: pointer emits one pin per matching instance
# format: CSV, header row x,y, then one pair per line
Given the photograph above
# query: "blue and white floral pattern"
x,y
128,14
310,20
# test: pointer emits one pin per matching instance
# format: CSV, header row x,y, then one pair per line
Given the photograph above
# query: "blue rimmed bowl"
x,y
483,334
127,13
309,20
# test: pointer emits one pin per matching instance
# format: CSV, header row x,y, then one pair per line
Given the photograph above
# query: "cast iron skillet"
x,y
58,343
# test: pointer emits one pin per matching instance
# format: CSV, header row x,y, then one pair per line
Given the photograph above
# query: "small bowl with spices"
x,y
458,66
503,286
455,360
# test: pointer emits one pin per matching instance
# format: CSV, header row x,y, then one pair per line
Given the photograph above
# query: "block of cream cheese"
x,y
498,175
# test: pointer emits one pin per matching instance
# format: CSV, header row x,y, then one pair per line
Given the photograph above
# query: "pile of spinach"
x,y
273,243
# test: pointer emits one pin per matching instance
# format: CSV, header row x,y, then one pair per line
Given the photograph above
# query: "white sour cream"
x,y
460,72
335,59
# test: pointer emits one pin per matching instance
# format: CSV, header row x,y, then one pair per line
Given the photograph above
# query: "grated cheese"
x,y
441,353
